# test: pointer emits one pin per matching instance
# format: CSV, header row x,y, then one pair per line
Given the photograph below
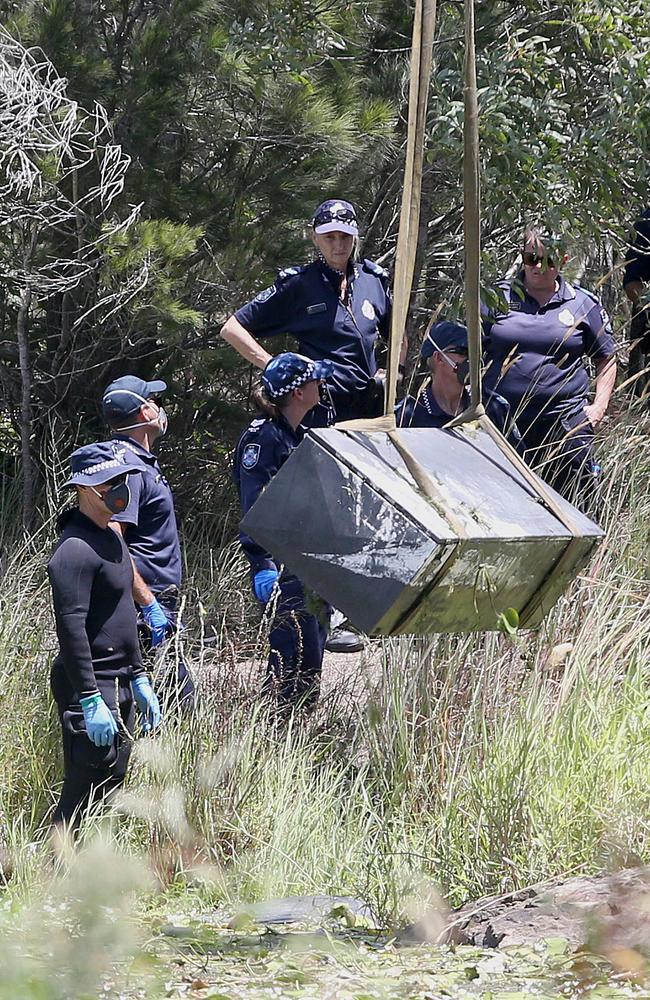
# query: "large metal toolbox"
x,y
345,515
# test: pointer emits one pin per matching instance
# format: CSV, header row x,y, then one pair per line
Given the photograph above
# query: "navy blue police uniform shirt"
x,y
304,302
151,531
424,411
637,261
536,353
263,448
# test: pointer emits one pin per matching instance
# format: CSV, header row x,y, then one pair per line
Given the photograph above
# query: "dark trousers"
x,y
561,450
91,773
640,352
297,640
173,681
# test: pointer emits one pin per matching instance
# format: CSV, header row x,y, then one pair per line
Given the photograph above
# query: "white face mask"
x,y
161,421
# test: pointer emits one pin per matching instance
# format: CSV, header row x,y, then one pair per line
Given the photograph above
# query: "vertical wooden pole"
x,y
472,209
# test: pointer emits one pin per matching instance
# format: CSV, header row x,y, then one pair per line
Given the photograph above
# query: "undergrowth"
x,y
478,763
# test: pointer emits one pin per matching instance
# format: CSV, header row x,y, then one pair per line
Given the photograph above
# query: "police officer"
x,y
445,351
336,307
536,353
148,524
98,672
290,389
635,277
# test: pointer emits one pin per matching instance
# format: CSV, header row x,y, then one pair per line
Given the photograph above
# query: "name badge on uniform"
x,y
318,307
251,455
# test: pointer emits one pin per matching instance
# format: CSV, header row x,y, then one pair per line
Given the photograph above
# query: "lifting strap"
x,y
472,236
421,60
472,222
424,21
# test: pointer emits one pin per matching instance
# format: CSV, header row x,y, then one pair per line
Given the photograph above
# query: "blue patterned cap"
x,y
288,371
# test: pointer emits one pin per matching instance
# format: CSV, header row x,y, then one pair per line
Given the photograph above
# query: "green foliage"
x,y
159,249
240,119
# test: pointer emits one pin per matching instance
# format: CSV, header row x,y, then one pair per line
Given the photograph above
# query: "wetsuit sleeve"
x,y
252,481
72,571
637,260
131,514
597,333
272,312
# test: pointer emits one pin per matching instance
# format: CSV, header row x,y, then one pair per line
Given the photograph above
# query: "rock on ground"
x,y
603,912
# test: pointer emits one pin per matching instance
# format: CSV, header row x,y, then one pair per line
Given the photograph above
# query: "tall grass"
x,y
480,763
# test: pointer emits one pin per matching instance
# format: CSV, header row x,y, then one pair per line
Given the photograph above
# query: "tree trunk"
x,y
22,336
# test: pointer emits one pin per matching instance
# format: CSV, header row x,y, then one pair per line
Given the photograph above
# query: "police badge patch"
x,y
368,309
251,455
266,294
567,317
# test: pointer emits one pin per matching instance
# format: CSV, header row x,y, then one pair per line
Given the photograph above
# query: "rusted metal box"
x,y
345,515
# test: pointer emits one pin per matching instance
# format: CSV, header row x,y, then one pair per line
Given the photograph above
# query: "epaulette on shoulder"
x,y
289,272
494,397
577,287
373,268
255,425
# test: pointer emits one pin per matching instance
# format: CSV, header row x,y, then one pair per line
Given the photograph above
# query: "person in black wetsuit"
x,y
98,676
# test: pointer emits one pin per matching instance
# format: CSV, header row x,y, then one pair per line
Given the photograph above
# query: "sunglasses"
x,y
532,259
340,215
118,481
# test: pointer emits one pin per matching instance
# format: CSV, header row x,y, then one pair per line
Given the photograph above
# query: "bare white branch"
x,y
60,173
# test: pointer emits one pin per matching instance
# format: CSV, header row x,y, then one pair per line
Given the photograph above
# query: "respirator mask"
x,y
461,370
117,498
161,421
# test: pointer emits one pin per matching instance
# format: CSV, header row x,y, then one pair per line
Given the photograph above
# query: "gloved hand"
x,y
100,721
147,701
263,583
157,621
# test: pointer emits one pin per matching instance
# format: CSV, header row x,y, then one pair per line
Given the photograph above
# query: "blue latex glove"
x,y
147,701
263,583
157,621
100,721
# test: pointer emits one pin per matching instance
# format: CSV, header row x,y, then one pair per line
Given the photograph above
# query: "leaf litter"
x,y
341,963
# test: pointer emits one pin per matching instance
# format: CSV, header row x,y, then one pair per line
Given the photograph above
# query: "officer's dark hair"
x,y
269,407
